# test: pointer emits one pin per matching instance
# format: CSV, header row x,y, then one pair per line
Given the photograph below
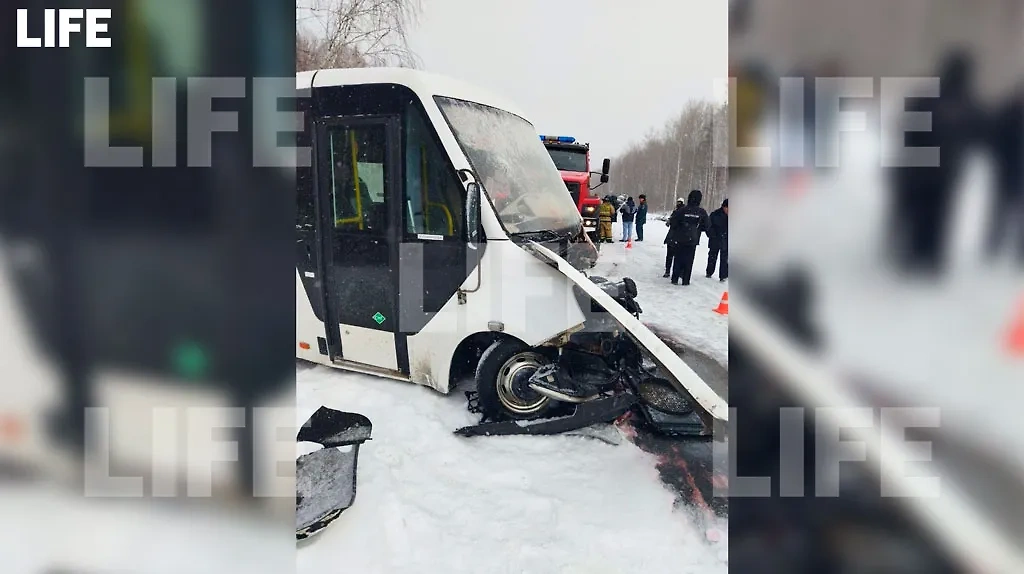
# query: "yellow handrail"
x,y
427,204
424,197
447,214
135,121
358,217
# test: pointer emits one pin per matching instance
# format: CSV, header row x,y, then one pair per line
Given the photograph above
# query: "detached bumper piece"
x,y
325,480
597,411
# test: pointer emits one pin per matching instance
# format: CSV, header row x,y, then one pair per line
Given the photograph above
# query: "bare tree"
x,y
679,157
353,33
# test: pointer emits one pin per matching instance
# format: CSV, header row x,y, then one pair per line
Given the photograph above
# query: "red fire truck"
x,y
572,159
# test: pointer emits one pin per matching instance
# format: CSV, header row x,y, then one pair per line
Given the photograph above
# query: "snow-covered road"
x,y
936,343
685,312
429,501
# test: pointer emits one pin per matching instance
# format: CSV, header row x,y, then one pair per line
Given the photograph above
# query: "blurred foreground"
x,y
885,284
144,311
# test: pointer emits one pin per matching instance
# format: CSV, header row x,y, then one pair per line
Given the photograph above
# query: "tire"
x,y
499,380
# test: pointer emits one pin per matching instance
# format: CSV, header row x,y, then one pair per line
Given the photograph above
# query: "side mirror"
x,y
606,166
473,193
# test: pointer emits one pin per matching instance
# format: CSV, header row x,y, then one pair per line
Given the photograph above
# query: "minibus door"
x,y
358,167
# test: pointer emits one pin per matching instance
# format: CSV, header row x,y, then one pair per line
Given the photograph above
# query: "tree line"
x,y
680,156
354,33
666,164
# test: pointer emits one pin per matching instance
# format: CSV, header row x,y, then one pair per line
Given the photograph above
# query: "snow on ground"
x,y
937,343
948,335
46,528
684,311
429,501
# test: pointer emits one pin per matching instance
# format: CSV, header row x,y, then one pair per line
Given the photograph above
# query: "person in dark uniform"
x,y
923,196
1005,139
670,246
641,217
685,226
718,241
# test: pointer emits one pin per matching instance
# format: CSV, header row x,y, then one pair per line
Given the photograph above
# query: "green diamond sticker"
x,y
378,317
190,360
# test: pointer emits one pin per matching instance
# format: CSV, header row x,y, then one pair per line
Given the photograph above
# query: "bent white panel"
x,y
533,301
662,354
34,379
307,326
369,347
954,519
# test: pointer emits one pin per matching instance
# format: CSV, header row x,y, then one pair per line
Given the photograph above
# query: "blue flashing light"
x,y
560,139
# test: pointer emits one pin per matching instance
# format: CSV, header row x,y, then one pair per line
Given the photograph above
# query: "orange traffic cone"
x,y
723,305
1015,337
798,182
11,428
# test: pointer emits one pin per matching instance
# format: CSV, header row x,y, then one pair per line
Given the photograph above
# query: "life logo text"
x,y
60,23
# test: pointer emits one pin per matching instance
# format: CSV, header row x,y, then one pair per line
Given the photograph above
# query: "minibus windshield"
x,y
515,170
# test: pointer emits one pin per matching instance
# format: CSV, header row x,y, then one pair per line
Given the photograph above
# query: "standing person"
x,y
923,197
718,241
670,244
615,206
1006,141
641,217
628,215
685,226
604,216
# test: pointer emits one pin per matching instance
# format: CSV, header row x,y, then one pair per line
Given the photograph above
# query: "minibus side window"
x,y
433,194
358,179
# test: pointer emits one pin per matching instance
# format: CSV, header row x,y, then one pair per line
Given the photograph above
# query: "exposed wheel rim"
x,y
513,392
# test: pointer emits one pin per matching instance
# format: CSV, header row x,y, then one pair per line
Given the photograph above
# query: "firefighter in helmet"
x,y
605,214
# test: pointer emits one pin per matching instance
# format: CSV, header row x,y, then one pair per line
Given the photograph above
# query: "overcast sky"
x,y
603,71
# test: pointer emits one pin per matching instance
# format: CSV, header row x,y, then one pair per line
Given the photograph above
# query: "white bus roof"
x,y
426,85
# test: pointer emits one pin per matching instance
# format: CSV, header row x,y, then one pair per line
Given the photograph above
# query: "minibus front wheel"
x,y
502,381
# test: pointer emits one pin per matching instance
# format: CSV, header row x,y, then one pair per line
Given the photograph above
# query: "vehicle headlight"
x,y
589,210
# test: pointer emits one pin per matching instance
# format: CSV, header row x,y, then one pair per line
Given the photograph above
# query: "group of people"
x,y
687,222
632,214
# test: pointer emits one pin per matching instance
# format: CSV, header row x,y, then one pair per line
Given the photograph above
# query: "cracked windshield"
x,y
516,171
